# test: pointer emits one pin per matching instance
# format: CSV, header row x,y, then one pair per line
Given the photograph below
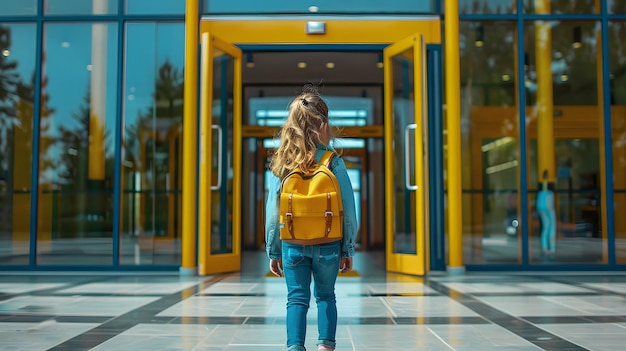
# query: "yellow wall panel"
x,y
292,31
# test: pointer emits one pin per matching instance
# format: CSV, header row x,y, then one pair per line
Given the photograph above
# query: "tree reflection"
x,y
152,151
8,83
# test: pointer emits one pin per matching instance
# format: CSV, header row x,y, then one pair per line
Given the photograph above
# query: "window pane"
x,y
152,173
617,6
17,8
489,114
617,56
320,6
82,7
564,124
403,68
561,6
17,67
166,7
77,144
487,6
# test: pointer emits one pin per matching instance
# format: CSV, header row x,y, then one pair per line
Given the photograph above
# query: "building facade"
x,y
97,173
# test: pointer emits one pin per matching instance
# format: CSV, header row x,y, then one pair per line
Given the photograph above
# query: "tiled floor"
x,y
377,311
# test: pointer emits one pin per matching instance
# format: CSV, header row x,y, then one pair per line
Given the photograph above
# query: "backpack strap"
x,y
328,215
327,158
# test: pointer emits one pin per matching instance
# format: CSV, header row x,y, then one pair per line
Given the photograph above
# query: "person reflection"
x,y
547,214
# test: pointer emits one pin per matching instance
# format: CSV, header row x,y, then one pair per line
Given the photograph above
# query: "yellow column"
x,y
545,107
453,106
188,266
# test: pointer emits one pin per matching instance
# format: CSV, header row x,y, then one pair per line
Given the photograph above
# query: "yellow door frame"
x,y
261,32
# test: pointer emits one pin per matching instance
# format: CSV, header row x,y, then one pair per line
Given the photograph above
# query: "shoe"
x,y
325,348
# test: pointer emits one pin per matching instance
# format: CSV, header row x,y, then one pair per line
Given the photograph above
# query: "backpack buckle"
x,y
328,215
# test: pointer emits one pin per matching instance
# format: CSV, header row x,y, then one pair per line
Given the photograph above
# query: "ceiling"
x,y
281,68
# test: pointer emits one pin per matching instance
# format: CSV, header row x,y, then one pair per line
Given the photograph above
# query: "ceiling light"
x,y
65,44
564,78
330,65
506,77
313,8
578,35
379,63
480,36
301,64
6,52
249,61
90,67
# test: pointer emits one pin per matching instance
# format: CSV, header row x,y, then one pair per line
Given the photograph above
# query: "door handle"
x,y
219,157
407,157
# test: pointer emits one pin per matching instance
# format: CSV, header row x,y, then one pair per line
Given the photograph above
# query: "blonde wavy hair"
x,y
303,130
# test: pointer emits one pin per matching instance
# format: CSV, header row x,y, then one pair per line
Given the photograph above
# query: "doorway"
x,y
369,86
352,85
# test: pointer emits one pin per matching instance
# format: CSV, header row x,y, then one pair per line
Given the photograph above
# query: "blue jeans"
x,y
300,262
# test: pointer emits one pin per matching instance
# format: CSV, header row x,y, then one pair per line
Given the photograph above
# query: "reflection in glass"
x,y
403,120
489,139
487,6
152,148
83,7
17,67
153,7
18,8
560,6
564,131
617,58
221,161
77,144
617,6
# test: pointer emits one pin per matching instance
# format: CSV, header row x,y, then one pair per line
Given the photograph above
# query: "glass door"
x,y
219,200
406,210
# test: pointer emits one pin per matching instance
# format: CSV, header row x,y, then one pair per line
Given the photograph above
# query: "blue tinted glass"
x,y
617,6
17,90
79,113
80,7
487,6
17,8
162,7
152,164
320,6
560,6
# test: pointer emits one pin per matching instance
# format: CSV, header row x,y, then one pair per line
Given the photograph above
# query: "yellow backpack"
x,y
310,207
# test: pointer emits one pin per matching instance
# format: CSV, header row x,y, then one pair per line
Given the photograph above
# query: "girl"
x,y
304,137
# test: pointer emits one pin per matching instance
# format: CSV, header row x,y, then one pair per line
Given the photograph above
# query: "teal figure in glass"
x,y
547,214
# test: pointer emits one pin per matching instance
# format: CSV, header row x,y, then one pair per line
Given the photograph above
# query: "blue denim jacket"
x,y
272,235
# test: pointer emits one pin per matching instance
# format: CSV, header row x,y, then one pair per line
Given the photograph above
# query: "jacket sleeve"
x,y
272,235
350,224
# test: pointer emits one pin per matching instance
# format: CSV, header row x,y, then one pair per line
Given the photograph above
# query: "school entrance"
x,y
375,76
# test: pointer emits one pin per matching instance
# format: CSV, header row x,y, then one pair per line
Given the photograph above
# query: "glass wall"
x,y
74,73
564,124
617,57
18,8
617,6
487,6
143,7
85,7
565,159
152,149
17,91
489,139
561,6
77,142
